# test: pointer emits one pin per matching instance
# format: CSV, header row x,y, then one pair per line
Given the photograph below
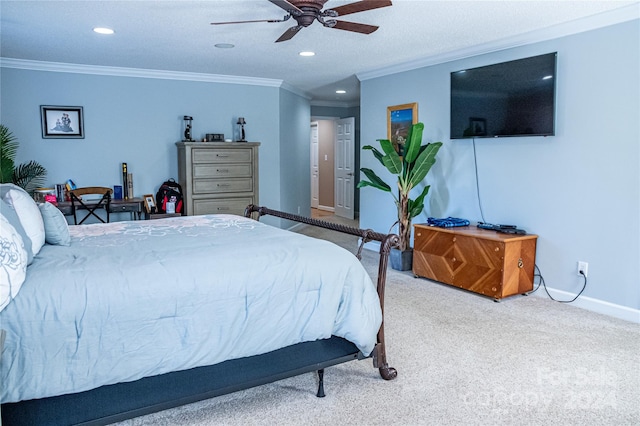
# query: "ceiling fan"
x,y
304,12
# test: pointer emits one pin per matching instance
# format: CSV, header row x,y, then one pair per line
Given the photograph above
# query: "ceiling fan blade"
x,y
361,6
246,22
355,27
288,35
288,7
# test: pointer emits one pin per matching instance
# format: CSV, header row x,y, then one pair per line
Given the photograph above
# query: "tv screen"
x,y
514,98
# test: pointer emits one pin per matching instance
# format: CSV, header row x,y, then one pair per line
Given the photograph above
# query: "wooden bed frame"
x,y
121,401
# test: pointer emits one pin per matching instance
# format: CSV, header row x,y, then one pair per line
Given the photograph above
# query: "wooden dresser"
x,y
483,261
218,177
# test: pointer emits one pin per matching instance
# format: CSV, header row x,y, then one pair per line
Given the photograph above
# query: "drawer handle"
x,y
222,170
223,185
223,208
520,263
222,155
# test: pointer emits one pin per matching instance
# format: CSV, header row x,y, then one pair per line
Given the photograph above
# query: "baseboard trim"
x,y
594,305
326,209
584,302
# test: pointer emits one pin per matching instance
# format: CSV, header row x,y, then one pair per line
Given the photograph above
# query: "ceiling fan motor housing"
x,y
310,11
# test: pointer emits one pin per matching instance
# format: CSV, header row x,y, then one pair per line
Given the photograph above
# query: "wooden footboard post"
x,y
380,354
387,242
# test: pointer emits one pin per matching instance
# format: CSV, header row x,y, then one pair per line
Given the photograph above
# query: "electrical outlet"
x,y
584,267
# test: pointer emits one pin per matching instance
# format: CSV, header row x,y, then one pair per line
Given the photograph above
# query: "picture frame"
x,y
399,119
477,126
149,203
62,122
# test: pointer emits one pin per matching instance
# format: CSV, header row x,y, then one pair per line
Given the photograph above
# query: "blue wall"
x,y
579,190
139,120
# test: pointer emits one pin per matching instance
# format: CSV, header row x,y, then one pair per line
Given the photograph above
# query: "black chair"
x,y
77,203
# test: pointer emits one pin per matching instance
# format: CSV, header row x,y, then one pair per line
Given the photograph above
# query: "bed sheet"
x,y
128,300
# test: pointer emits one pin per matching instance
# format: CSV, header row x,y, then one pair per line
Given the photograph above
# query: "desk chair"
x,y
90,205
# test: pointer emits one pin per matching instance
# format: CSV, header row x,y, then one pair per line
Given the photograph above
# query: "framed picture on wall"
x,y
62,122
399,121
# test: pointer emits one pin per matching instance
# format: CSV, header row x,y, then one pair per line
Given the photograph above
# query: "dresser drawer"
x,y
222,170
222,205
220,155
218,186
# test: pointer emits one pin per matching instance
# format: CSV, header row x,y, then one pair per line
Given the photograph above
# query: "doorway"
x,y
332,168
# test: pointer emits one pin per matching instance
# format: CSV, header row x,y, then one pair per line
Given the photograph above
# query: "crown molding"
x,y
335,104
295,90
135,72
612,17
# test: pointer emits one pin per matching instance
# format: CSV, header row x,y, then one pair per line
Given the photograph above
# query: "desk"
x,y
131,205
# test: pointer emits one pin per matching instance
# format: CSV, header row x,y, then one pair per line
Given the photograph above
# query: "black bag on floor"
x,y
170,192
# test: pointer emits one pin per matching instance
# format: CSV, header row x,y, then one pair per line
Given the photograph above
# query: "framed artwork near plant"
x,y
400,118
62,122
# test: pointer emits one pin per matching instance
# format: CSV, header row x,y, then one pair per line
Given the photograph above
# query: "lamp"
x,y
241,123
187,129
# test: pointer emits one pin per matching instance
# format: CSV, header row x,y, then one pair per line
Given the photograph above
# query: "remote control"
x,y
483,225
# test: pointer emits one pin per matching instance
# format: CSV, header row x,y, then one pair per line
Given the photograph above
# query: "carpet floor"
x,y
462,359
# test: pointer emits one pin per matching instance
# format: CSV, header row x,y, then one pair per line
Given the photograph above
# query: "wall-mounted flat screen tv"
x,y
515,98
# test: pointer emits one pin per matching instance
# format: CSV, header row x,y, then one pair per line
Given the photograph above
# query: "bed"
x,y
135,317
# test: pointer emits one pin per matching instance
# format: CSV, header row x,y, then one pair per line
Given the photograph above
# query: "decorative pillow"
x,y
29,215
10,214
13,262
5,187
56,229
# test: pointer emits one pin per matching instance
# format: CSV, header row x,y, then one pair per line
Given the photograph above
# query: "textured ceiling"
x,y
177,36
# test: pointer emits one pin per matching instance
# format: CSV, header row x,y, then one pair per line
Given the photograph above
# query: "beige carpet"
x,y
462,359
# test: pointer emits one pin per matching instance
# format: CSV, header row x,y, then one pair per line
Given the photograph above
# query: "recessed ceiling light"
x,y
224,45
103,30
341,91
307,53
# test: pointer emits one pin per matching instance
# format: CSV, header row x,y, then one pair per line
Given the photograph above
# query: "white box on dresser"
x,y
218,177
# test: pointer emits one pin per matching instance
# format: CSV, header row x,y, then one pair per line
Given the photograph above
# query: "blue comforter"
x,y
133,299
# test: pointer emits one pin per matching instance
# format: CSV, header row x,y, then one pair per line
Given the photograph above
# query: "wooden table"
x,y
135,206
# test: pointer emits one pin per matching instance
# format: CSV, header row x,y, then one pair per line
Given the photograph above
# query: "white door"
x,y
344,167
315,178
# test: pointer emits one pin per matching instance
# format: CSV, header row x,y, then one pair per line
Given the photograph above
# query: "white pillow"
x,y
29,215
10,214
13,262
56,228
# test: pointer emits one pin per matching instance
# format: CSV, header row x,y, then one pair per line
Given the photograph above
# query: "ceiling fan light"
x,y
103,30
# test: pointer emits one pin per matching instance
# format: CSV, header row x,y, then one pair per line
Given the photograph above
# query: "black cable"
x,y
547,291
475,163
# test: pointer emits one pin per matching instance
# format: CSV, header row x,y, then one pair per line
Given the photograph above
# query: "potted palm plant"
x,y
411,169
28,176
